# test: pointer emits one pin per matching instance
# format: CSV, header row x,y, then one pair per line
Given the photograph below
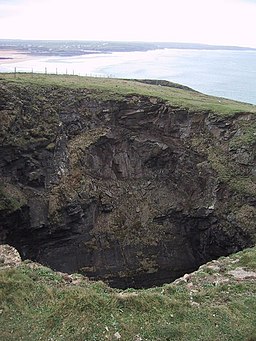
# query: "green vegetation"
x,y
211,304
115,89
11,199
246,135
247,259
228,171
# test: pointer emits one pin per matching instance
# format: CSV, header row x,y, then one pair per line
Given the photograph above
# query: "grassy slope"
x,y
38,304
107,88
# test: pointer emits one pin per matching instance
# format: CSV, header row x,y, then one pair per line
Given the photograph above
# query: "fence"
x,y
57,72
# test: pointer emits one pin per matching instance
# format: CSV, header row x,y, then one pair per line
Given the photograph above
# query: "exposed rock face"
x,y
134,191
9,256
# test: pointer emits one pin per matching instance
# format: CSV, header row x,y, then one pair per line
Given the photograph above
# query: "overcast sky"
x,y
225,22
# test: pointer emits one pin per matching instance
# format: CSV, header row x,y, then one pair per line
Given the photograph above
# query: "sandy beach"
x,y
12,60
13,56
202,70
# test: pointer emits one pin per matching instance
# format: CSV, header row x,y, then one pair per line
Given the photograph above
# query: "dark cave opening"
x,y
120,267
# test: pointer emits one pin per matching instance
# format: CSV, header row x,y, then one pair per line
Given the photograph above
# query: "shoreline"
x,y
14,56
201,70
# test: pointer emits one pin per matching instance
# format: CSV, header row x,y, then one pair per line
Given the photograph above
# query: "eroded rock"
x,y
135,192
9,256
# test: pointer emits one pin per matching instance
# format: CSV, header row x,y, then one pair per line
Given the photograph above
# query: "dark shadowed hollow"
x,y
130,189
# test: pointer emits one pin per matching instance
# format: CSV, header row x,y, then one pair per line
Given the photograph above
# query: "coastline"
x,y
13,56
212,72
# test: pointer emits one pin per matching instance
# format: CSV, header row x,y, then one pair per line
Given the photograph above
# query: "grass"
x,y
246,137
116,89
11,199
38,304
248,259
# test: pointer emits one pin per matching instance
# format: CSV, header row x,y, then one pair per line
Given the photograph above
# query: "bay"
x,y
224,73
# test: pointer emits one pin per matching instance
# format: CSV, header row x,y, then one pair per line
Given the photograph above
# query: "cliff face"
x,y
133,191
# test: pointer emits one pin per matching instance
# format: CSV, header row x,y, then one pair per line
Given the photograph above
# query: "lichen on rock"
x,y
133,191
9,256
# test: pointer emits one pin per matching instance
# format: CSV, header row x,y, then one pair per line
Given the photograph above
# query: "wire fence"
x,y
56,71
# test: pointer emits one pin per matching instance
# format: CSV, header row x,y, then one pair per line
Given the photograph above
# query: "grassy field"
x,y
216,303
115,89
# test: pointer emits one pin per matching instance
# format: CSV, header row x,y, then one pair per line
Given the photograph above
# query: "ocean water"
x,y
223,73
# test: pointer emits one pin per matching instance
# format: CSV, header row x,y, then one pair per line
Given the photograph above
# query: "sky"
x,y
217,22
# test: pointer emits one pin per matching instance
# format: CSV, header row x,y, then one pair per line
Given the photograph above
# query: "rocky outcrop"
x,y
132,191
9,256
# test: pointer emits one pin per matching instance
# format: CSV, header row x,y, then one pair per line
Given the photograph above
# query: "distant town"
x,y
76,48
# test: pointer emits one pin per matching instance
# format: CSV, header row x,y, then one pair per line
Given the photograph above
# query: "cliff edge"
x,y
216,302
132,183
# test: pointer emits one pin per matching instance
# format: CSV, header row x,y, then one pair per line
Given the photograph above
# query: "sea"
x,y
223,73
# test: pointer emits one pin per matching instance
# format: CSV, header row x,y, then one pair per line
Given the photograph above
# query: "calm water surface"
x,y
230,74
